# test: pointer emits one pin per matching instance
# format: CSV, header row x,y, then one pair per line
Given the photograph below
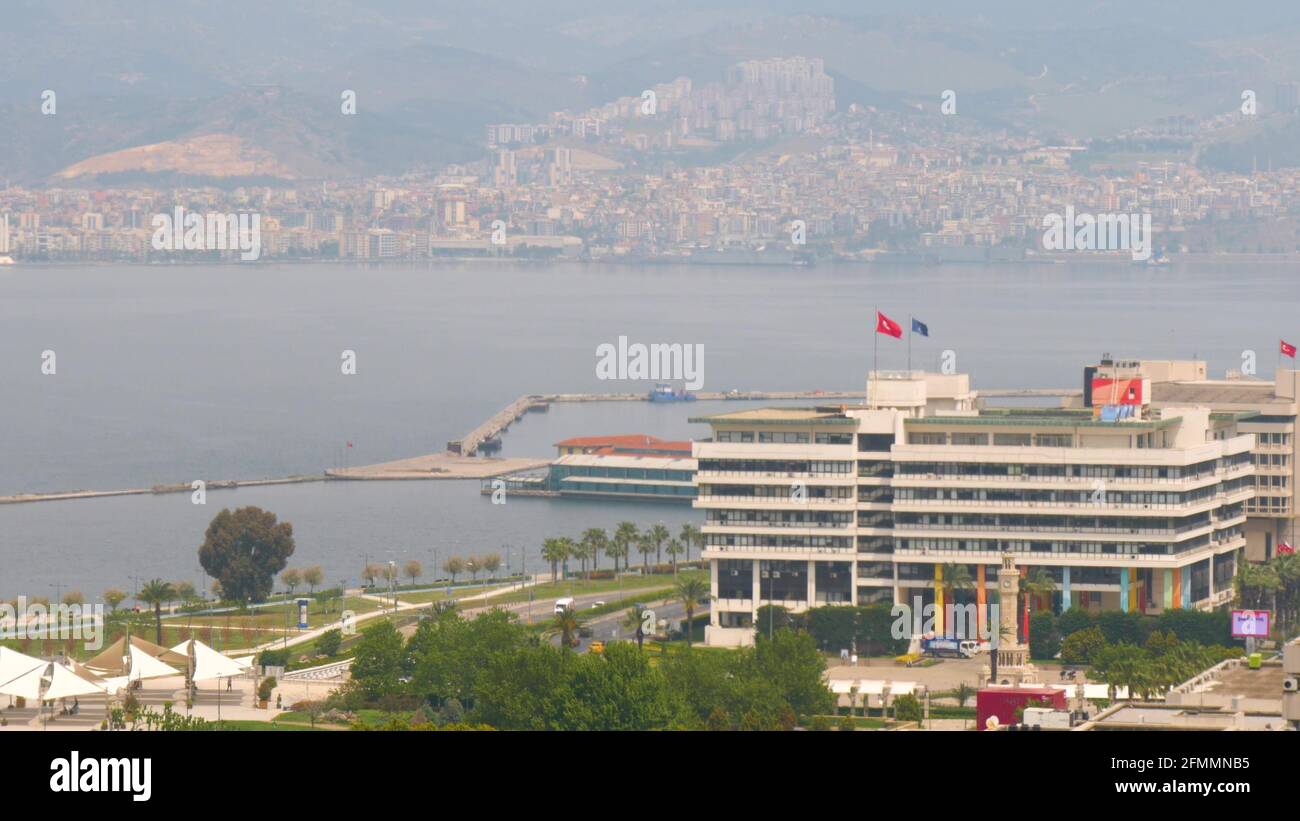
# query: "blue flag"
x,y
919,327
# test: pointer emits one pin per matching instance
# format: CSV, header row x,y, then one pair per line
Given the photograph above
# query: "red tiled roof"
x,y
623,440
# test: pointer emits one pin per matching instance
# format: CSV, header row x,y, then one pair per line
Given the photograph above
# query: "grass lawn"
x,y
264,726
582,587
427,596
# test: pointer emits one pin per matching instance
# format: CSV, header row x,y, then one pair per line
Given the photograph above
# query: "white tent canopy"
x,y
20,674
144,665
208,663
64,683
27,685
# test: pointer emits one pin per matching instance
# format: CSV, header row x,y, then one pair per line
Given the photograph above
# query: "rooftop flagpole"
x,y
875,361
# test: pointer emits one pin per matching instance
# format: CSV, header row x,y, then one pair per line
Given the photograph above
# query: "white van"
x,y
564,604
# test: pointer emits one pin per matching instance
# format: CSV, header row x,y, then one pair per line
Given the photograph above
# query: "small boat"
x,y
664,392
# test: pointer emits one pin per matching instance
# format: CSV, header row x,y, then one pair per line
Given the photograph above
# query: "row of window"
x,y
795,542
782,437
819,467
811,492
959,470
779,518
1097,496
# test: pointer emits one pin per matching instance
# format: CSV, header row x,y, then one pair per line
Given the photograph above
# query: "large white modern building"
x,y
1128,506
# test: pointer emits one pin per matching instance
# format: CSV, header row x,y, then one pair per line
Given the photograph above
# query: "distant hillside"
x,y
1275,144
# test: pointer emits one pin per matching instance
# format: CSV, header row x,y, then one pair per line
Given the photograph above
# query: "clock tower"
x,y
1013,657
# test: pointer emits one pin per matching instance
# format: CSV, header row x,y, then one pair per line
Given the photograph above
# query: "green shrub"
x,y
329,642
907,707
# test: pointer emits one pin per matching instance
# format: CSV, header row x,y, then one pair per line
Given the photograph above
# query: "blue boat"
x,y
664,392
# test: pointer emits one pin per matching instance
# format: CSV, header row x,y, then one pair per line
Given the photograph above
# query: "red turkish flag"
x,y
1288,349
885,325
1284,549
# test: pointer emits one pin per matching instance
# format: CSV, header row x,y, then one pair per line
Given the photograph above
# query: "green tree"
x,y
834,628
689,590
594,542
618,690
658,536
453,566
1044,642
874,631
291,578
956,580
523,690
312,577
634,622
907,707
1038,584
674,549
378,660
448,652
625,535
792,662
1082,646
413,570
329,642
769,618
156,593
554,551
113,597
645,546
690,537
1123,665
566,624
244,549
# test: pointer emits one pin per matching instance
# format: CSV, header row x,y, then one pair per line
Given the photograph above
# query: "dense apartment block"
x,y
1127,505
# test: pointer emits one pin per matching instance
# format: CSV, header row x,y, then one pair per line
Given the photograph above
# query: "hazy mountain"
x,y
154,76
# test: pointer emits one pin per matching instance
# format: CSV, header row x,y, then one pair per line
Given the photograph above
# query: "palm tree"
x,y
155,592
1256,584
690,535
571,551
554,551
963,693
566,622
689,590
658,535
674,550
956,578
594,542
1287,566
635,621
624,536
645,546
1039,582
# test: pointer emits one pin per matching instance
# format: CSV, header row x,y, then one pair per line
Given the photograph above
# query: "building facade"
x,y
1267,409
1139,510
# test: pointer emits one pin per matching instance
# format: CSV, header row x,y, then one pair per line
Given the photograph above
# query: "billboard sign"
x,y
1107,391
1250,624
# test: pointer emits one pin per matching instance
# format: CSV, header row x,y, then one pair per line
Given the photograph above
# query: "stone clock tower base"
x,y
1013,656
